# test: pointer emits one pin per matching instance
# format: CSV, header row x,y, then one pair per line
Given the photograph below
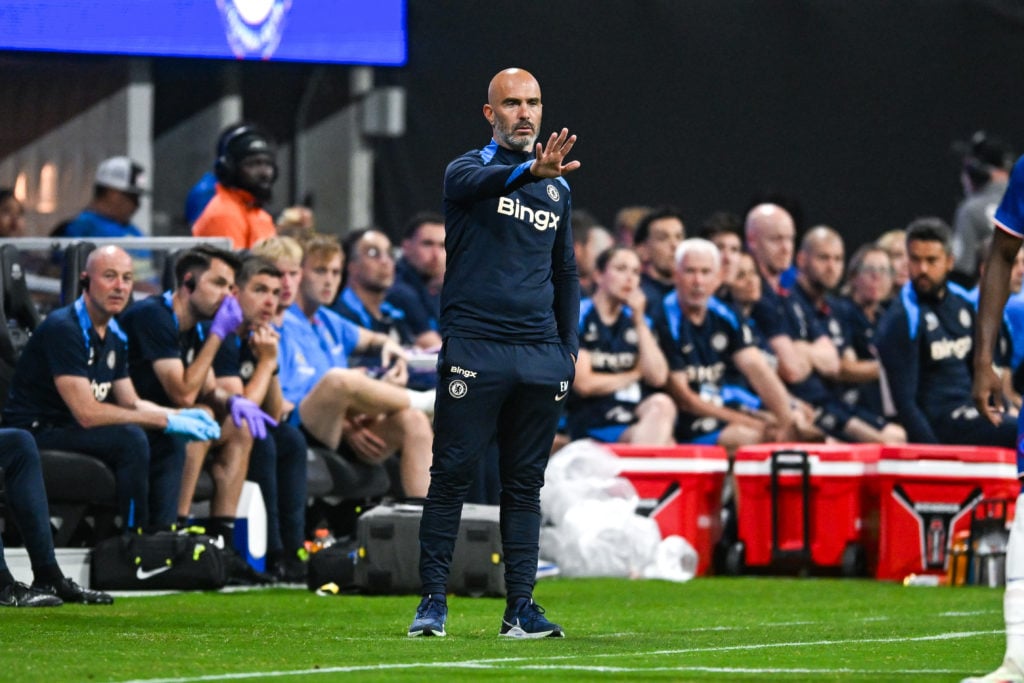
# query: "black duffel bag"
x,y
160,561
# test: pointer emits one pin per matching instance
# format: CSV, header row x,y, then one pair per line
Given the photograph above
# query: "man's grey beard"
x,y
517,142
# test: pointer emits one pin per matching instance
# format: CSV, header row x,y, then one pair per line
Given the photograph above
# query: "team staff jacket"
x,y
704,352
612,348
153,334
511,272
65,343
309,349
411,294
925,346
233,213
785,313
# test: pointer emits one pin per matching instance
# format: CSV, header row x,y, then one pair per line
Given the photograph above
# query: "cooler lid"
x,y
682,451
820,452
978,454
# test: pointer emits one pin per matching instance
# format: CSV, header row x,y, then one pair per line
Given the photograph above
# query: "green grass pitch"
x,y
710,629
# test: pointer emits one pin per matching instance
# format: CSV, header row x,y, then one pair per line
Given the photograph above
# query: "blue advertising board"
x,y
328,31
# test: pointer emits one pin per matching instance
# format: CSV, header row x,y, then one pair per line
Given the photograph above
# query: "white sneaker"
x,y
1009,672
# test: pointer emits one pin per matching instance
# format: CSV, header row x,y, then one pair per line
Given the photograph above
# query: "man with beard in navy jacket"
x,y
509,315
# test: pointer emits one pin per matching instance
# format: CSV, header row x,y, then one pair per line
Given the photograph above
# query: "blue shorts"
x,y
607,434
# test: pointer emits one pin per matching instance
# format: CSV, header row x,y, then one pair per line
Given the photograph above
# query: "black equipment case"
x,y
389,552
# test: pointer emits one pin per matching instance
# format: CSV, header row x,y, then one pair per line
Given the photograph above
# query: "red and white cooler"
x,y
927,495
805,505
682,486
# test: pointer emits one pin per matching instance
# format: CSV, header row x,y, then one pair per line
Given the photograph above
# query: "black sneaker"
x,y
20,595
69,591
241,573
289,570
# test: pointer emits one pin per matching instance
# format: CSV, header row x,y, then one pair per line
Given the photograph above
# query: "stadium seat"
x,y
71,269
352,479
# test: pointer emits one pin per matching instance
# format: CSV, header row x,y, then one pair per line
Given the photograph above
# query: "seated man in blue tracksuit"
x,y
925,344
170,360
703,339
420,271
817,330
370,273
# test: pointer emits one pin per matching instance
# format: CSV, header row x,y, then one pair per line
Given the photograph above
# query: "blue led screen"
x,y
332,31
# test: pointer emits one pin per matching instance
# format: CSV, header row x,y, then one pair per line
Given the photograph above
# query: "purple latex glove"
x,y
244,409
228,317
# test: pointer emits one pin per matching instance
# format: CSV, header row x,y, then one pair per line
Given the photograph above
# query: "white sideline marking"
x,y
525,663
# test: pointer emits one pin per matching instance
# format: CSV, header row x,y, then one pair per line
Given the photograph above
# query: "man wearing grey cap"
x,y
119,184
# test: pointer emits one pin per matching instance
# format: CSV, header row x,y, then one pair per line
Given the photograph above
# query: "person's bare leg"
x,y
195,456
409,433
340,392
656,419
735,435
861,432
230,464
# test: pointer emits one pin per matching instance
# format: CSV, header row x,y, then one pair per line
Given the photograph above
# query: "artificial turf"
x,y
710,629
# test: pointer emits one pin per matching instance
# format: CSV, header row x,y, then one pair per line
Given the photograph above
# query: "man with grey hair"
x,y
703,339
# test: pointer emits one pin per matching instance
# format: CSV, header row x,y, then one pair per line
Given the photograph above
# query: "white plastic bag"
x,y
603,538
582,470
674,560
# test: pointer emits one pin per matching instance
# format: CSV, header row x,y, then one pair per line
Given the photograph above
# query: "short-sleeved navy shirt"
x,y
613,348
66,343
153,334
235,358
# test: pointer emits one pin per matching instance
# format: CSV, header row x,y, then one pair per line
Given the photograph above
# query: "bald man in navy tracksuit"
x,y
509,314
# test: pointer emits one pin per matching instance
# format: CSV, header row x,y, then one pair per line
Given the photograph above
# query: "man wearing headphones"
x,y
246,169
987,161
71,389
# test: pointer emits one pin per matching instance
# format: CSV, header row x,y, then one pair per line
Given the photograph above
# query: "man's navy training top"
x,y
66,343
392,324
411,294
153,334
511,273
926,347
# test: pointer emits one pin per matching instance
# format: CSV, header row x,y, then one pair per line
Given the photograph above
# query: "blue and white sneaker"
x,y
525,619
430,617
